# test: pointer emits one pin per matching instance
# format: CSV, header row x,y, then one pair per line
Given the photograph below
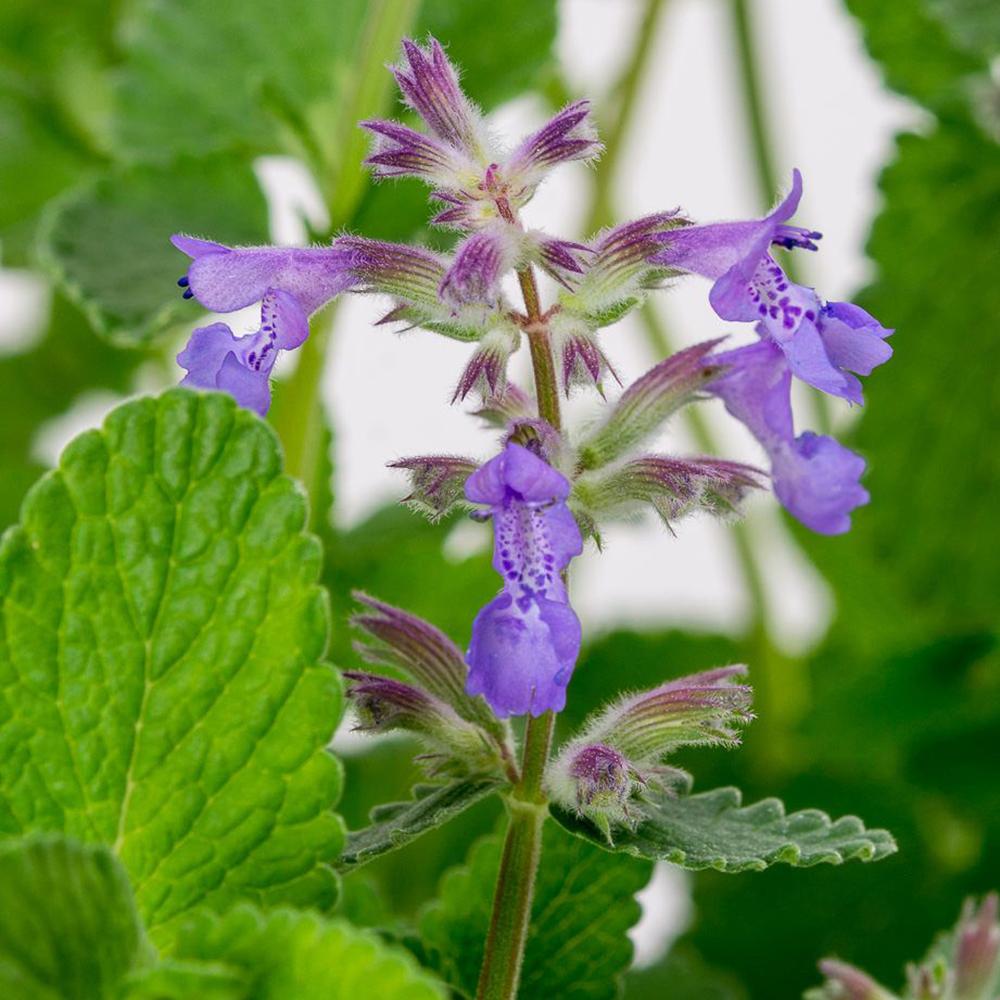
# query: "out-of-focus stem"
x,y
625,92
299,420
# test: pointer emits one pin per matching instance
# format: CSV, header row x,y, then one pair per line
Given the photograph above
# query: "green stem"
x,y
515,888
626,90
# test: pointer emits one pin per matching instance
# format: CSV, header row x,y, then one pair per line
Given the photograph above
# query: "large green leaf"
x,y
69,928
289,954
108,243
713,830
578,944
161,688
396,824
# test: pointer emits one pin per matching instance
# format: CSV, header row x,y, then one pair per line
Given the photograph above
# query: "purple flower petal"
x,y
224,279
522,661
204,353
853,338
251,389
815,477
518,474
816,480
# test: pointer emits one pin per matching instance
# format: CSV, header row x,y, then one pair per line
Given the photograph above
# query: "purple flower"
x,y
216,359
224,279
526,640
823,343
289,283
815,477
481,260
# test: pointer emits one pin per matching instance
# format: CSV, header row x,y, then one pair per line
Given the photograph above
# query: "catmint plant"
x,y
547,489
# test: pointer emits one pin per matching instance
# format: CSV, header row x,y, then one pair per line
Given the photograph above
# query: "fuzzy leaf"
x,y
712,830
108,243
289,953
577,942
161,688
395,824
70,930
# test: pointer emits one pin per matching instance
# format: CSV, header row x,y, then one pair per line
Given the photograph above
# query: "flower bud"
x,y
504,408
437,482
977,950
621,749
845,982
673,487
648,402
487,369
619,274
385,705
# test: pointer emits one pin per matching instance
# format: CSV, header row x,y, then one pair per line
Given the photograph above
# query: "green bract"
x,y
161,683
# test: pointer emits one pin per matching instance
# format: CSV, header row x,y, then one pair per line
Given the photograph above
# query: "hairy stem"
x,y
522,847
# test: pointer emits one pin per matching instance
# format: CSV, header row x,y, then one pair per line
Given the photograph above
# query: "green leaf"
x,y
974,23
395,824
577,943
178,980
263,91
70,930
161,688
42,383
290,954
712,830
107,244
37,161
917,53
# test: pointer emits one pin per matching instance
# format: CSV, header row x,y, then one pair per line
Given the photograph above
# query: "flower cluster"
x,y
548,488
962,965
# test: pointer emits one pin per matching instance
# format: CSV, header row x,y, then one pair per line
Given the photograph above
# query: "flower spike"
x,y
526,640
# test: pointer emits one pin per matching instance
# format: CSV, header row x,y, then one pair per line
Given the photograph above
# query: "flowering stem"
x,y
522,849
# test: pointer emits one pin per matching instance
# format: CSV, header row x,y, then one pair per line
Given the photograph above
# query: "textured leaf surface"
x,y
161,688
713,830
290,954
107,243
577,943
69,928
395,824
271,86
